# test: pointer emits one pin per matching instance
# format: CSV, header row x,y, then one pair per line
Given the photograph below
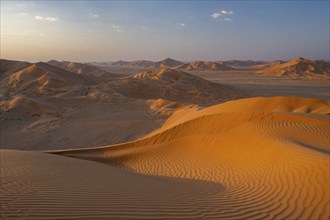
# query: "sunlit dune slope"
x,y
269,164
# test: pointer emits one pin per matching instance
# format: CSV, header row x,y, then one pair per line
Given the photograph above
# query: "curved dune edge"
x,y
271,157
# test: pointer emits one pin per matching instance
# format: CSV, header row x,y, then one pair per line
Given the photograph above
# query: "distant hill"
x,y
242,63
10,66
173,85
82,68
137,64
168,63
203,65
145,64
43,78
299,68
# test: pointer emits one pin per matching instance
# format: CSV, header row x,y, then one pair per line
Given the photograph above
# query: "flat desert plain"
x,y
163,144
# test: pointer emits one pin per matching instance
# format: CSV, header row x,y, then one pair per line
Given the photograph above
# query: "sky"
x,y
86,31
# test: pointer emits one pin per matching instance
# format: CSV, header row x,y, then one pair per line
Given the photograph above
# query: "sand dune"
x,y
300,67
203,66
10,66
174,85
242,63
166,63
44,79
137,64
221,163
90,72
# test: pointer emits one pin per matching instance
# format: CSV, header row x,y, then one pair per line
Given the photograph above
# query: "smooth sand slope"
x,y
259,158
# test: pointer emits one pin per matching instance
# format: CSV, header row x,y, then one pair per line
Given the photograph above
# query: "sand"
x,y
259,158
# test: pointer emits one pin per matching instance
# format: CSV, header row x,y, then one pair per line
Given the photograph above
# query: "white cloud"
x,y
226,12
181,24
94,15
51,19
216,15
117,28
228,19
221,13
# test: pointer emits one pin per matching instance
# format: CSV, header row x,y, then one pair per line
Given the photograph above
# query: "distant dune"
x,y
258,158
49,107
166,63
300,68
202,66
90,72
10,66
242,63
44,79
138,64
173,85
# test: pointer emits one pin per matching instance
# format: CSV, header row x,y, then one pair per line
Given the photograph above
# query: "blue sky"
x,y
154,30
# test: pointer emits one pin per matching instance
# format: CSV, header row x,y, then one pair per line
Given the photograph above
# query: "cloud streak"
x,y
216,15
181,24
221,13
51,19
117,28
224,12
94,15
